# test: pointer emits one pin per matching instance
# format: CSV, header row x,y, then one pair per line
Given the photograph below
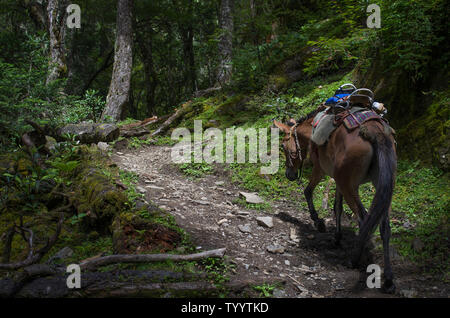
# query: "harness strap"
x,y
298,149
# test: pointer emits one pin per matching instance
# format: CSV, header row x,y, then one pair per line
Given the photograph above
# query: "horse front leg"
x,y
316,176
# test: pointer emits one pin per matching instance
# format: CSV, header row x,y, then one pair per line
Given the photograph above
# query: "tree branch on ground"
x,y
146,258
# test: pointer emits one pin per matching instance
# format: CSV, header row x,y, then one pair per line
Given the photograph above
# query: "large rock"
x,y
91,132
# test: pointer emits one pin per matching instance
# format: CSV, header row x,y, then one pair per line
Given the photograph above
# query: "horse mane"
x,y
310,114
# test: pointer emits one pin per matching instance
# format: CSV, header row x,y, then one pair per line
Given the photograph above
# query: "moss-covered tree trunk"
x,y
119,89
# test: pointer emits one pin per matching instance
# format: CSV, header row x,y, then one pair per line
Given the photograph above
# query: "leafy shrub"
x,y
87,109
408,35
330,55
24,94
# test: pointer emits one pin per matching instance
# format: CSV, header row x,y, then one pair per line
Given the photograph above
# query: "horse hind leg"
x,y
337,214
317,175
355,204
385,233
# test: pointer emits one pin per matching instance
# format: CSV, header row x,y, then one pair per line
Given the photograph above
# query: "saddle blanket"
x,y
354,120
323,123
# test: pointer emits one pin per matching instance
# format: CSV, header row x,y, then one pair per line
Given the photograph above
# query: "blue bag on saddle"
x,y
340,94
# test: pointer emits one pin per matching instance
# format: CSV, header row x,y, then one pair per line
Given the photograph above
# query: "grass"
x,y
217,269
162,141
265,289
130,179
136,143
196,170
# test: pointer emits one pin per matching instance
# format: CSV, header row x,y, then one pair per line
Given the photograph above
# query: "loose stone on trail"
x,y
251,197
245,228
265,221
275,249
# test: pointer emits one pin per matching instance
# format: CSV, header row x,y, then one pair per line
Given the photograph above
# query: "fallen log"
x,y
140,128
10,287
131,283
143,289
146,258
141,123
185,108
86,133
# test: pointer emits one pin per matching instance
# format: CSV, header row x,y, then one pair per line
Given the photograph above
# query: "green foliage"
x,y
163,141
24,94
409,34
330,55
266,289
130,180
217,269
135,142
196,170
89,108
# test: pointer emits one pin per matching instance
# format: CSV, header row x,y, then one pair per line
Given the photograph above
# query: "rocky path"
x,y
289,250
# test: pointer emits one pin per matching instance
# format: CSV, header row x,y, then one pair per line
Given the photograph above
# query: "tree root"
x,y
34,257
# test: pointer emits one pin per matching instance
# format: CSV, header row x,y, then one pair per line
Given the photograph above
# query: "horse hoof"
x,y
321,226
388,287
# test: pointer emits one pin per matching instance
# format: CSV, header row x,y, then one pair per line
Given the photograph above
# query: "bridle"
x,y
298,151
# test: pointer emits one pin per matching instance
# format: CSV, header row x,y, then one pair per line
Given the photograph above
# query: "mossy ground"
x,y
121,225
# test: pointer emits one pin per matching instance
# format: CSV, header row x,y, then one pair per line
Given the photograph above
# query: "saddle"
x,y
352,111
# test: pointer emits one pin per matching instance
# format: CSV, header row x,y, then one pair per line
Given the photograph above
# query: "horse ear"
x,y
292,120
284,128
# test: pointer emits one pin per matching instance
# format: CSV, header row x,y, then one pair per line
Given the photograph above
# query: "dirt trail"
x,y
308,266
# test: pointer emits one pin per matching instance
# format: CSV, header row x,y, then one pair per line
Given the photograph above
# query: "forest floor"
x,y
304,262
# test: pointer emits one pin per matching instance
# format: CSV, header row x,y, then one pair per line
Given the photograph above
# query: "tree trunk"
x,y
56,12
119,89
226,41
187,35
151,80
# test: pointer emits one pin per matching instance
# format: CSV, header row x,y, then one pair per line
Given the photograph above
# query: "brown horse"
x,y
352,158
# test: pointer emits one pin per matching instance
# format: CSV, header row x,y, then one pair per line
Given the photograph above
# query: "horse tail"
x,y
385,161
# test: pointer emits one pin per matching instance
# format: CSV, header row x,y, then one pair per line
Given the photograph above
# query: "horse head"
x,y
294,145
